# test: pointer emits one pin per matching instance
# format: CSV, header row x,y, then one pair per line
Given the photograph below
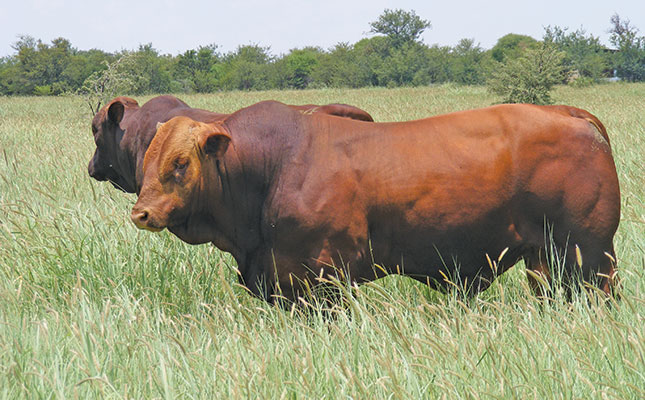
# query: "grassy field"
x,y
91,307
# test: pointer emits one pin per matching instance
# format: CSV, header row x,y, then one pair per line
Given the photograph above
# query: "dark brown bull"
x,y
293,197
123,131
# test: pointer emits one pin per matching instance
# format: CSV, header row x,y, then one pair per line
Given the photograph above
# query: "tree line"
x,y
393,56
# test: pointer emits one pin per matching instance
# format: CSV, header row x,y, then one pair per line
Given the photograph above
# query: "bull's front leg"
x,y
278,277
255,273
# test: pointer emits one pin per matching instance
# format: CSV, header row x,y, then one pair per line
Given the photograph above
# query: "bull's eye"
x,y
180,169
181,165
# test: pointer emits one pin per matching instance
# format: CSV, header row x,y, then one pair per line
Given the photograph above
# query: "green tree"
x,y
150,70
629,62
39,68
370,55
39,65
584,53
437,67
294,70
205,80
9,73
402,65
29,71
81,65
512,46
530,78
328,72
194,70
247,68
343,66
400,26
466,63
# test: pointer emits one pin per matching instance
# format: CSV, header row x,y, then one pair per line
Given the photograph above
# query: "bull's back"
x,y
434,161
452,170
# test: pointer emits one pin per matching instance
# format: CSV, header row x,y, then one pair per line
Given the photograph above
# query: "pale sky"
x,y
174,26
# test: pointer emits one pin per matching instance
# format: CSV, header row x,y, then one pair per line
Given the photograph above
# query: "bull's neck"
x,y
124,152
237,186
134,144
246,174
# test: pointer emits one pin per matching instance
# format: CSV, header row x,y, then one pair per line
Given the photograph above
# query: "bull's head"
x,y
105,165
178,169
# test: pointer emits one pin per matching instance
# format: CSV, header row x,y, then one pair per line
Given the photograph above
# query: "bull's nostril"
x,y
143,220
140,218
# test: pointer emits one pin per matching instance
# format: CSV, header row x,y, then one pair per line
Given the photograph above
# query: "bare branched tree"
x,y
117,78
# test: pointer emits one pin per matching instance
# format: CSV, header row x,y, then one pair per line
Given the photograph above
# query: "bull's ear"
x,y
214,142
115,112
159,125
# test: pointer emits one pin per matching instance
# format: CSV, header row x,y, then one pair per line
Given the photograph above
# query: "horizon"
x,y
177,29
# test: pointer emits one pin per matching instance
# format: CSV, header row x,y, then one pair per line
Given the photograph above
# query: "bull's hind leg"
x,y
571,257
594,263
568,263
591,220
607,273
591,202
537,272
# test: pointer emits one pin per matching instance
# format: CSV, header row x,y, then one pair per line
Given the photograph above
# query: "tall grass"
x,y
92,307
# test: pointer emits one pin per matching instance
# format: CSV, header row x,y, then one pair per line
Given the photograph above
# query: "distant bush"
x,y
395,56
529,78
44,90
582,81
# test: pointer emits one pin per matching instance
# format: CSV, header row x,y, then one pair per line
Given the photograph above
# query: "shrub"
x,y
529,78
42,90
582,81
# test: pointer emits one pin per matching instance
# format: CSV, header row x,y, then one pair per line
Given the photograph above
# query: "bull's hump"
x,y
167,101
270,110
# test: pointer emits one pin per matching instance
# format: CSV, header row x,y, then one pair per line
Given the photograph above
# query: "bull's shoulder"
x,y
268,127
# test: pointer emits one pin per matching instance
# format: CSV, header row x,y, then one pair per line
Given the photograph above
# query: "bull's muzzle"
x,y
141,218
94,172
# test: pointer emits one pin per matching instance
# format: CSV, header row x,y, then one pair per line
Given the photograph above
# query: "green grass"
x,y
91,307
